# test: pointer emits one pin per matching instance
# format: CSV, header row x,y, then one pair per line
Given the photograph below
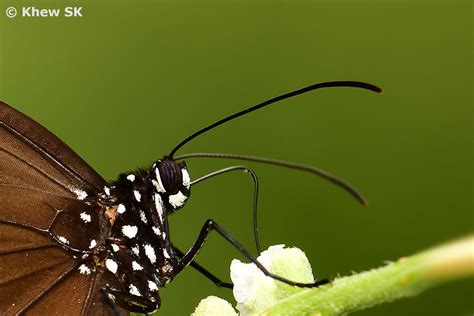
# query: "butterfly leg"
x,y
199,243
218,282
127,301
255,194
110,302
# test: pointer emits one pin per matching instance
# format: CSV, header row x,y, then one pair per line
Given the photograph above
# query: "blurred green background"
x,y
126,82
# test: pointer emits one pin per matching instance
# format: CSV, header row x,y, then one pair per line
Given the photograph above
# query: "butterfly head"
x,y
171,180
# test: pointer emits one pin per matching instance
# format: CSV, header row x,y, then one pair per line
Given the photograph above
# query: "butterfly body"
x,y
137,250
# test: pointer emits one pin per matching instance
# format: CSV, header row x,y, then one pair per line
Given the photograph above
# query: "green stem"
x,y
406,277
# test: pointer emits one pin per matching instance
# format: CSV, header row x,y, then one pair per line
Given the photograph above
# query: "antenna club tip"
x,y
360,198
375,88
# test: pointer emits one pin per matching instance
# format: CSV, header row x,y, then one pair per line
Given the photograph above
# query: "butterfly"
x,y
72,243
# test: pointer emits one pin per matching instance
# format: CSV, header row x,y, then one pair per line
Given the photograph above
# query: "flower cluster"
x,y
255,292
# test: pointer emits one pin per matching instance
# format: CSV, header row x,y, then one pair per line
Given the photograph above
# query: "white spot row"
x,y
131,177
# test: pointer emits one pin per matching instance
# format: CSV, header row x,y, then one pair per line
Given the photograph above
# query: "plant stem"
x,y
406,277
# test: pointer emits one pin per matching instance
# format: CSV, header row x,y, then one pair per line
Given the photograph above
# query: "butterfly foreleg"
x,y
199,243
217,281
134,303
255,194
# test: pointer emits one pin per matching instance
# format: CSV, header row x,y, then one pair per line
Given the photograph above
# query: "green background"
x,y
130,79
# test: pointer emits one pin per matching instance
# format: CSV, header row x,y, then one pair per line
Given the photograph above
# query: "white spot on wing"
x,y
130,231
150,253
160,208
111,265
115,247
158,184
63,240
137,195
136,266
134,290
92,244
143,217
152,286
80,194
107,190
131,177
83,269
85,217
186,178
178,199
121,209
165,253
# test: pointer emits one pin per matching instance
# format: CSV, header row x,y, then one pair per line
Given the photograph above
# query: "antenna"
x,y
286,164
329,84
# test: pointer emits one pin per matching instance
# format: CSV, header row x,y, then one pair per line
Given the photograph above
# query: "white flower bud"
x,y
214,306
255,292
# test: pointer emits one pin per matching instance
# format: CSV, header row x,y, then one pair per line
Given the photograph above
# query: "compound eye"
x,y
170,177
172,181
157,181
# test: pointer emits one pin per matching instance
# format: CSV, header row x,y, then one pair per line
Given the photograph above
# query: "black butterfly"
x,y
72,243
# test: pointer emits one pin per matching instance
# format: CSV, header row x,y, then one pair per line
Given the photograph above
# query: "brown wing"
x,y
30,263
59,155
42,181
39,278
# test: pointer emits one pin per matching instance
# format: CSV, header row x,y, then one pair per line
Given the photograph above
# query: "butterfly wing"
x,y
51,149
43,182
